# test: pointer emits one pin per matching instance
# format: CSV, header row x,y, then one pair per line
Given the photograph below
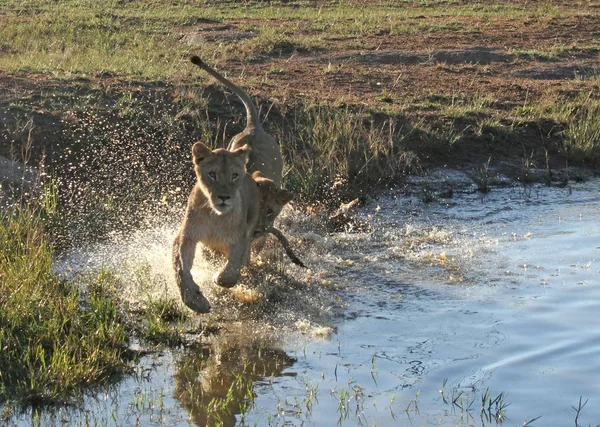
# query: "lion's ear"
x,y
200,152
243,152
284,196
258,176
262,182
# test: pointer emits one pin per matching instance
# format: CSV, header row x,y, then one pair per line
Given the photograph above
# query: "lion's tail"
x,y
286,245
253,120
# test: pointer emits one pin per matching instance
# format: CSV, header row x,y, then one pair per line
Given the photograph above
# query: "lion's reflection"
x,y
215,383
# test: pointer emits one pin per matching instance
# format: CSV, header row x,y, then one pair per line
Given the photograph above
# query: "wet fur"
x,y
226,227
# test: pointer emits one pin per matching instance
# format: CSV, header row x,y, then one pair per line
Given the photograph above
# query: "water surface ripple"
x,y
498,292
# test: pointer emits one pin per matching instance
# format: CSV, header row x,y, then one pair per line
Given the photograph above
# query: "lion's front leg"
x,y
238,257
184,250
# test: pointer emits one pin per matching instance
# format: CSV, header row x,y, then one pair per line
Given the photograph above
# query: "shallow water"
x,y
441,302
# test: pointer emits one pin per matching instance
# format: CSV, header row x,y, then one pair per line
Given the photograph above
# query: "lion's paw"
x,y
226,279
196,301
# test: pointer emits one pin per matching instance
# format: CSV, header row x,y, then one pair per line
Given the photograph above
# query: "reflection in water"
x,y
215,384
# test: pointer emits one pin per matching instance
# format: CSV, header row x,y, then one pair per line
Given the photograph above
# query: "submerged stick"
x,y
286,245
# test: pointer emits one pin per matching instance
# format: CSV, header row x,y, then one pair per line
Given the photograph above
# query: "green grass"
x,y
460,106
57,336
62,336
159,320
330,150
582,131
147,39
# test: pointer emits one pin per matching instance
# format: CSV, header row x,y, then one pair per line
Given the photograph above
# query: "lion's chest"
x,y
220,242
221,232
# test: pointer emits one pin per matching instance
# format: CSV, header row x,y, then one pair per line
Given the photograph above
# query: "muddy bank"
x,y
59,117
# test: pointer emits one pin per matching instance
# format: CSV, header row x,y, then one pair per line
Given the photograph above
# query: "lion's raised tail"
x,y
253,120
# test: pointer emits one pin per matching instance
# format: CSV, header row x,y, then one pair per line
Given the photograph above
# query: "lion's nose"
x,y
224,198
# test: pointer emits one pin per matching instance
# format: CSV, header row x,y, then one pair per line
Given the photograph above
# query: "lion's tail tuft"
x,y
197,61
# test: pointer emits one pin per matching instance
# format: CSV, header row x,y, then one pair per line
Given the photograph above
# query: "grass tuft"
x,y
582,139
57,336
332,150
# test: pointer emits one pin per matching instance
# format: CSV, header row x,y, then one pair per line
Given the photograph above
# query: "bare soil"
x,y
414,66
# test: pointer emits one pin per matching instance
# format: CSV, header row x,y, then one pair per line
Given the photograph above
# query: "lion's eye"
x,y
212,175
234,176
270,213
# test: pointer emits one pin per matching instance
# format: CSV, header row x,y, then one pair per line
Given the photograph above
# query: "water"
x,y
440,305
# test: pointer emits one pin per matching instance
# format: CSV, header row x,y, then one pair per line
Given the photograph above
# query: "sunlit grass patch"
x,y
331,147
461,106
159,319
162,322
582,131
91,38
146,39
539,54
57,336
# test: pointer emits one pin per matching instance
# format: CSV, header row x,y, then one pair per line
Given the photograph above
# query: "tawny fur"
x,y
223,215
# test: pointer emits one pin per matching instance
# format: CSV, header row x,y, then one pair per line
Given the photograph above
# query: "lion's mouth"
x,y
221,207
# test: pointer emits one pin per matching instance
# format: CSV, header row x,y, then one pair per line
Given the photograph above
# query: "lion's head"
x,y
220,175
273,199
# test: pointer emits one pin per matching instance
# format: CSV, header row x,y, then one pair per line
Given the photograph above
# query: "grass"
x,y
483,177
534,54
63,335
582,131
492,410
57,336
158,319
460,107
143,39
333,149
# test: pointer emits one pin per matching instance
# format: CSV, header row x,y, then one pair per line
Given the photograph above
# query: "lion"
x,y
224,214
272,202
265,153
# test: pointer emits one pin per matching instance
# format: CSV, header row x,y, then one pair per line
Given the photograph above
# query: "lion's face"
x,y
273,199
220,175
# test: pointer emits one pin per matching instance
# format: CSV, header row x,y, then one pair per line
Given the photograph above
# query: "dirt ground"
x,y
415,66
